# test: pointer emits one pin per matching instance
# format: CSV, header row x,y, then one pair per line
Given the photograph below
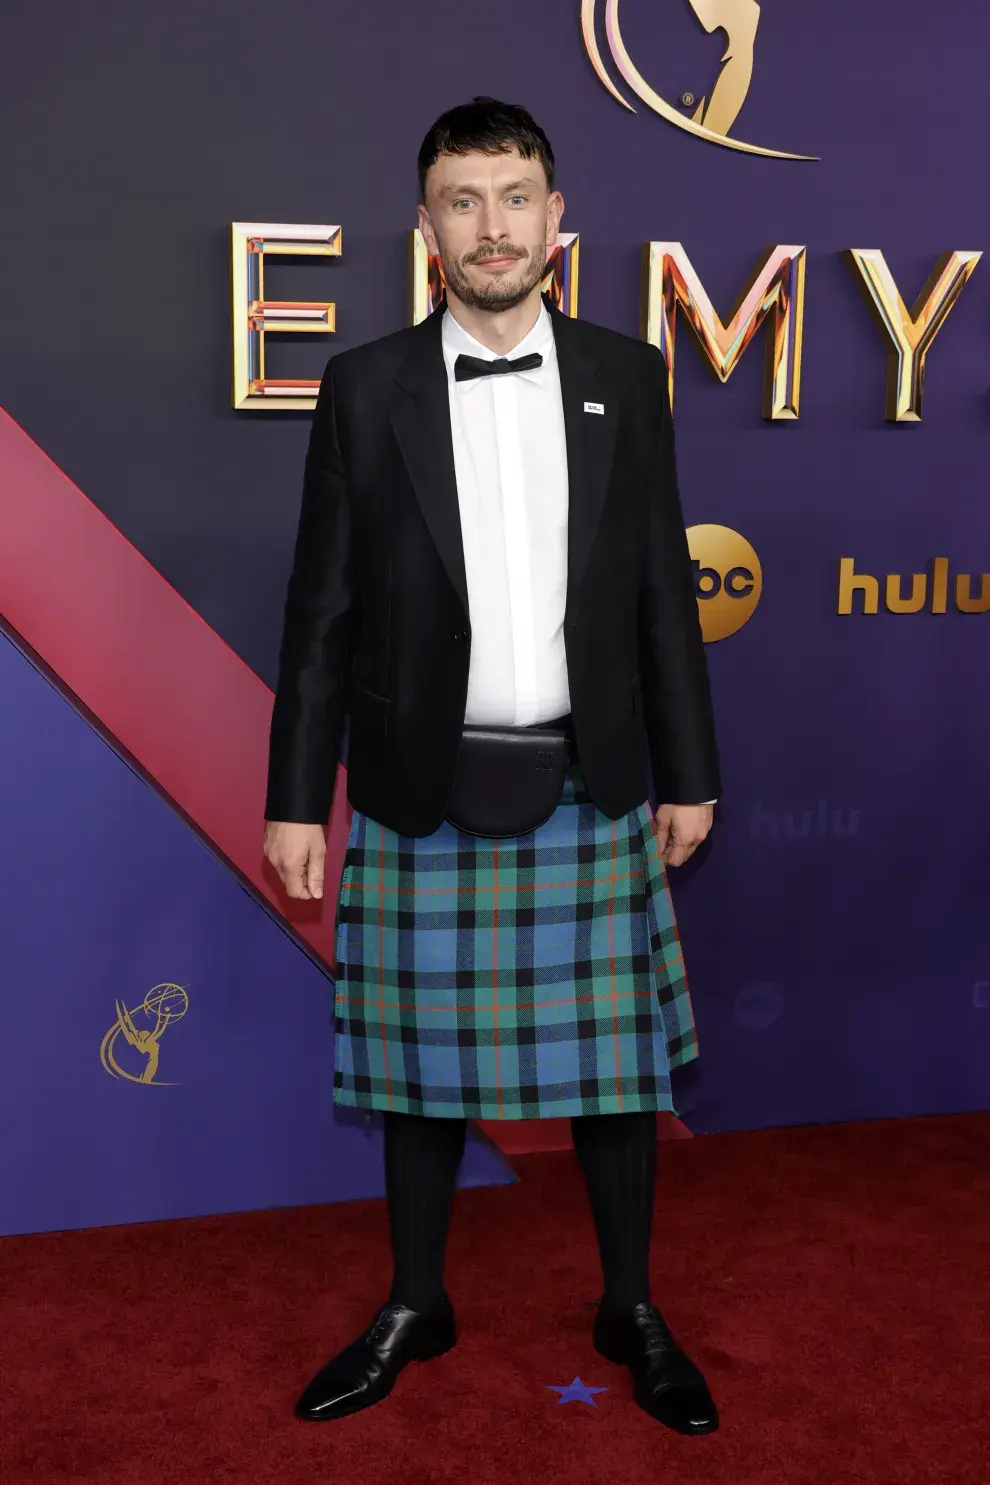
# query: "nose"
x,y
491,222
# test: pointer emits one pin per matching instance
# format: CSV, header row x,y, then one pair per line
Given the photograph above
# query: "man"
x,y
491,547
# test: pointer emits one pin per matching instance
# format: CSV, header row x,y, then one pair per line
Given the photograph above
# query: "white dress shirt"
x,y
510,460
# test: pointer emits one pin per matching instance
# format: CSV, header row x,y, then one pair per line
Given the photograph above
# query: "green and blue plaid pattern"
x,y
531,977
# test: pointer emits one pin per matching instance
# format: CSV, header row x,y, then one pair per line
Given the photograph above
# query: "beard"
x,y
500,293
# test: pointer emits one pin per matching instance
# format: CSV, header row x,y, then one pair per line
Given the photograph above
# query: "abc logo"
x,y
728,579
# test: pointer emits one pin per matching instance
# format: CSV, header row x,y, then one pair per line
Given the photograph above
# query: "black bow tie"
x,y
466,367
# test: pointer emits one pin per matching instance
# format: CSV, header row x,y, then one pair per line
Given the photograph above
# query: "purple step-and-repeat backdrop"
x,y
836,928
165,1046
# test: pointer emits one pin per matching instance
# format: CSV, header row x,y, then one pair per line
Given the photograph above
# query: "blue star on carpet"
x,y
576,1391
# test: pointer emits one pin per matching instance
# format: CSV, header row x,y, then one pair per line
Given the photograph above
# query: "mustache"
x,y
504,250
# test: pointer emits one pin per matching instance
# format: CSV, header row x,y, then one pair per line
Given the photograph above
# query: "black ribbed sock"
x,y
618,1154
421,1160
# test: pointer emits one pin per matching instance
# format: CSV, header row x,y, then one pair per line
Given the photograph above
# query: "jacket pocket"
x,y
370,712
372,695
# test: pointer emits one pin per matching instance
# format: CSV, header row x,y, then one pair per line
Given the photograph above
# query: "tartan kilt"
x,y
534,976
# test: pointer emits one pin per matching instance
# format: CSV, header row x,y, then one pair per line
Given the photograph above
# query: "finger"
x,y
687,850
680,850
294,877
315,875
662,828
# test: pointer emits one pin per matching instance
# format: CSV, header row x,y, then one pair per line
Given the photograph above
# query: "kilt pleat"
x,y
531,977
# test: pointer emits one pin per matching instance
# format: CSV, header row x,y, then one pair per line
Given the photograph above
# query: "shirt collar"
x,y
457,341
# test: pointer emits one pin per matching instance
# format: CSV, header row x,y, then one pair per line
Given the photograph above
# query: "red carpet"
x,y
832,1282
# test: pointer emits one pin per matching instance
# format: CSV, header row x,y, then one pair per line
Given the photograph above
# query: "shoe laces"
x,y
654,1331
382,1321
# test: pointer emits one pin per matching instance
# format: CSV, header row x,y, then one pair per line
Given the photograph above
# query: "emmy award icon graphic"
x,y
143,1028
715,114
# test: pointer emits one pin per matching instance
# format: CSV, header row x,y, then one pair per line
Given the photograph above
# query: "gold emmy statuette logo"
x,y
728,579
143,1028
715,114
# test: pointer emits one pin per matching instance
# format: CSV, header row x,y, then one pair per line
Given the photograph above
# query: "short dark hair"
x,y
487,127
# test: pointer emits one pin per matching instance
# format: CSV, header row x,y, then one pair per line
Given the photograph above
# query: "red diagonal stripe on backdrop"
x,y
168,688
148,666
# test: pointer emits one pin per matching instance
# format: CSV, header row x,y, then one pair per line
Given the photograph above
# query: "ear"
x,y
555,210
426,227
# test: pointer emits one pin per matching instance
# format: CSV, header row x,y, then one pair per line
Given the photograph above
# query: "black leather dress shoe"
x,y
667,1384
365,1371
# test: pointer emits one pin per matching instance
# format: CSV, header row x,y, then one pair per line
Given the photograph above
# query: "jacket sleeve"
x,y
311,694
675,688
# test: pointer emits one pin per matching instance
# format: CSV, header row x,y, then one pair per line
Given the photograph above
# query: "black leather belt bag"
x,y
509,779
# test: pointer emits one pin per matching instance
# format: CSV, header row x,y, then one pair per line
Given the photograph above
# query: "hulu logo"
x,y
820,823
921,592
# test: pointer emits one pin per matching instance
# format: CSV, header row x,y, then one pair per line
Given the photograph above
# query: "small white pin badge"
x,y
595,407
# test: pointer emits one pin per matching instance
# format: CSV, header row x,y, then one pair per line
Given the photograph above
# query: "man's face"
x,y
490,219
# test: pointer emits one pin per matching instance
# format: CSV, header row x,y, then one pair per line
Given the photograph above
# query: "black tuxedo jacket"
x,y
377,623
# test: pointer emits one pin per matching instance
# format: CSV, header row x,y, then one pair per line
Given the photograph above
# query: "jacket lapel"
x,y
590,437
420,416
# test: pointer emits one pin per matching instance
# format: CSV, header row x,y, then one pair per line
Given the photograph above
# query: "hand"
x,y
681,828
298,853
